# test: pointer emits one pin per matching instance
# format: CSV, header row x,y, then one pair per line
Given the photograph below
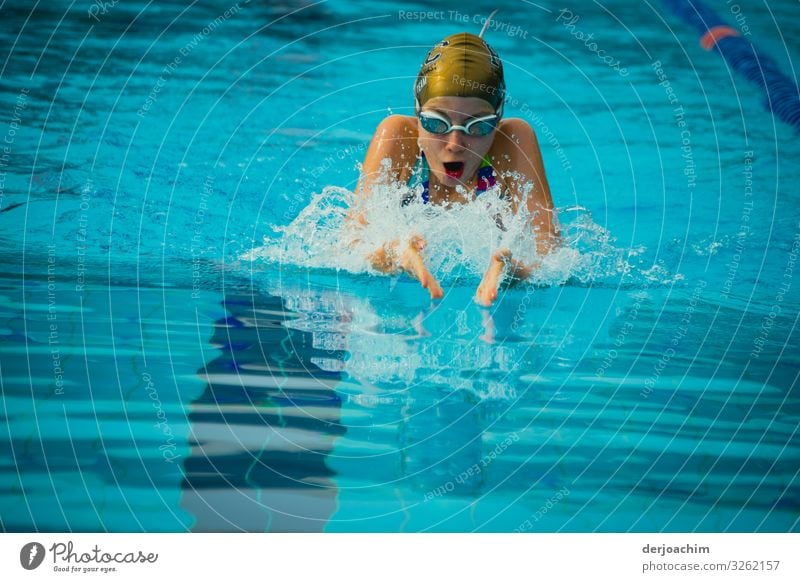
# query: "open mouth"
x,y
454,169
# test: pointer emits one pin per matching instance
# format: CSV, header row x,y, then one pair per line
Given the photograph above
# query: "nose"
x,y
456,140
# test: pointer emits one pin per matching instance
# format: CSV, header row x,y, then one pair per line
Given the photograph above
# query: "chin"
x,y
446,180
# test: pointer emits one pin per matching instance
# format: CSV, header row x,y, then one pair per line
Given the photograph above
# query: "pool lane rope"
x,y
781,92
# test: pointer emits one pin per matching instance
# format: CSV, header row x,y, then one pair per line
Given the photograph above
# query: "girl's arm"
x,y
517,160
516,151
390,158
395,140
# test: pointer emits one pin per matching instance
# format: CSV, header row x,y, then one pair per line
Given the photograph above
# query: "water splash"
x,y
460,239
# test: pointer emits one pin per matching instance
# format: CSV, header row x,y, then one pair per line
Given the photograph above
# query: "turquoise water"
x,y
166,368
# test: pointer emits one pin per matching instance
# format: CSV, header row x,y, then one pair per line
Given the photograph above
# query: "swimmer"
x,y
456,147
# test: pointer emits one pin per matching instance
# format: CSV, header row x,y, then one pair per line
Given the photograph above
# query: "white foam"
x,y
460,239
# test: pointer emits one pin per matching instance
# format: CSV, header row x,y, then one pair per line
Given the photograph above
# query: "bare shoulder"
x,y
514,136
516,149
395,139
517,159
397,126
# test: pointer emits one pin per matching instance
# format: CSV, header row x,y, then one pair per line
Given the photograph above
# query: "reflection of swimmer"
x,y
456,148
264,427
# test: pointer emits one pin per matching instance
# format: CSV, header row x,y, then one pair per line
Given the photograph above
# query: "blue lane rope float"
x,y
781,92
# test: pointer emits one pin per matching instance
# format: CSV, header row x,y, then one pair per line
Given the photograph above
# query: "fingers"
x,y
489,285
503,269
413,263
434,288
485,296
502,266
515,270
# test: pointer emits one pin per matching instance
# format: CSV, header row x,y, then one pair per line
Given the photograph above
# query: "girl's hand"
x,y
411,262
386,260
501,266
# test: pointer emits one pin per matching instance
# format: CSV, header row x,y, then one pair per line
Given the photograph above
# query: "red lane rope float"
x,y
709,40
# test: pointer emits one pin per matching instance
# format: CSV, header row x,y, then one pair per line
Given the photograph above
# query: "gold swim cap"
x,y
462,65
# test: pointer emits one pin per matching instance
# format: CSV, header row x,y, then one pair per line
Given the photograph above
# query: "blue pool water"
x,y
187,344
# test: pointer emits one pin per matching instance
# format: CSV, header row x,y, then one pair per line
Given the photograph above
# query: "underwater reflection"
x,y
263,426
422,391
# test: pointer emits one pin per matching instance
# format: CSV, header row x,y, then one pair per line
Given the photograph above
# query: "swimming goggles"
x,y
440,125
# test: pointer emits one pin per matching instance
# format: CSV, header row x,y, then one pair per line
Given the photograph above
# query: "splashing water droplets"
x,y
460,239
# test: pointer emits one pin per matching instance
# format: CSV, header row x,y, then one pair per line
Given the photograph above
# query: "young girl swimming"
x,y
462,146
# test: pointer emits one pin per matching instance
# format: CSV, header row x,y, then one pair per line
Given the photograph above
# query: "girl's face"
x,y
454,158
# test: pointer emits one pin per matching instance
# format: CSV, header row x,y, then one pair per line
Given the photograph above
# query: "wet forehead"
x,y
457,108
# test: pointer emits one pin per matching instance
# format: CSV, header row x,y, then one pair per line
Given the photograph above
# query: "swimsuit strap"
x,y
419,180
486,176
